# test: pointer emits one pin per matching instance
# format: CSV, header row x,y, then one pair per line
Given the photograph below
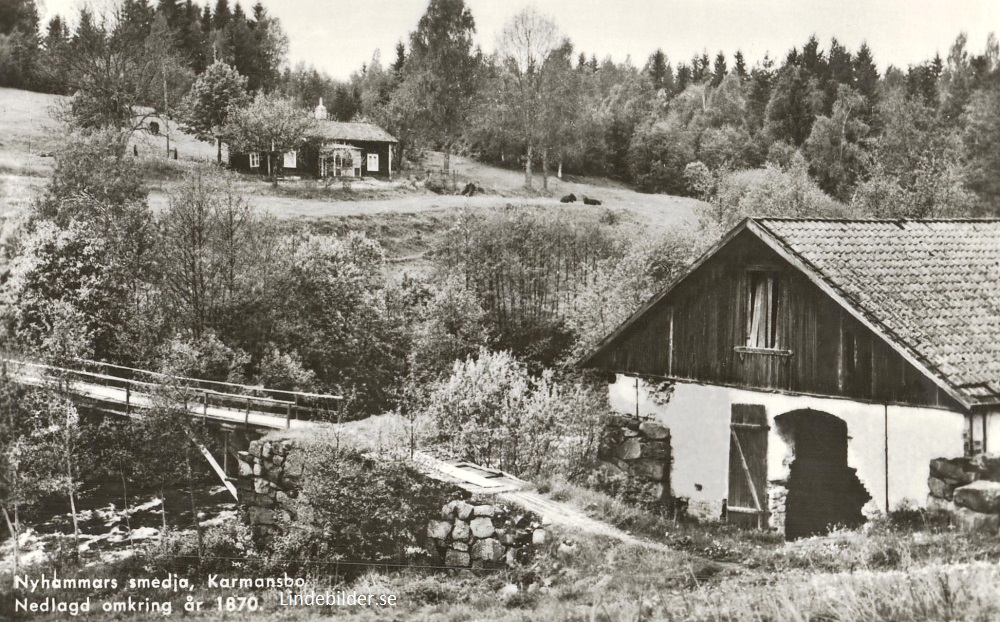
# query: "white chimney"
x,y
320,110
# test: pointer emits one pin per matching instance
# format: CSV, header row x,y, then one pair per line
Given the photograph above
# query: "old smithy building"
x,y
816,366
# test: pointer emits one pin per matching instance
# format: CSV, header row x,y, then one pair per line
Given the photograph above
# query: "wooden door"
x,y
747,502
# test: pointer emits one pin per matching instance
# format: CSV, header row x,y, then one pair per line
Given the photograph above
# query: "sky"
x,y
338,36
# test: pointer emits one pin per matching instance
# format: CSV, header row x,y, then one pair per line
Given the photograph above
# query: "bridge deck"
x,y
138,395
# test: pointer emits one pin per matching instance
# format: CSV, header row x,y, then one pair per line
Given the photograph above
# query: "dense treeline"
x,y
919,141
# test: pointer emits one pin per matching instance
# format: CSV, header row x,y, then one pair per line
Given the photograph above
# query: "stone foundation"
x,y
639,449
967,490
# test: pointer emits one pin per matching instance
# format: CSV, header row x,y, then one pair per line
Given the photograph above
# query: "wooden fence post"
x,y
204,411
246,421
128,398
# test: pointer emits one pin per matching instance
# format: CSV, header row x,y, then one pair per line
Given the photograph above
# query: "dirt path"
x,y
569,516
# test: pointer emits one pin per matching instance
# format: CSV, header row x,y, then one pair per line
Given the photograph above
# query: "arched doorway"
x,y
823,491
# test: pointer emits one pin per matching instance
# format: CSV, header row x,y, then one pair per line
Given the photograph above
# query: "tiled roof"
x,y
931,286
340,131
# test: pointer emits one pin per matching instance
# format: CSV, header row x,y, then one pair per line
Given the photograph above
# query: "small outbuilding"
x,y
809,369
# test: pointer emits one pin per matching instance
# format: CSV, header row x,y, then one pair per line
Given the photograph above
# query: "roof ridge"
x,y
868,220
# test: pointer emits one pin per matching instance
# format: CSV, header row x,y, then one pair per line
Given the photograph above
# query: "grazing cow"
x,y
569,198
470,189
590,201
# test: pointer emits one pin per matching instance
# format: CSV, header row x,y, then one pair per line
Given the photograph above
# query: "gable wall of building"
x,y
699,332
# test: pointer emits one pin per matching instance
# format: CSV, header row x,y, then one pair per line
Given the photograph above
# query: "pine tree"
x,y
866,75
659,71
740,66
222,15
721,70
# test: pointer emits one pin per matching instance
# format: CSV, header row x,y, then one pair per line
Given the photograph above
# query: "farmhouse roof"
x,y
359,132
930,288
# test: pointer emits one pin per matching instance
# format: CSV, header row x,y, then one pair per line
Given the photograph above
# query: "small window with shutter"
x,y
762,310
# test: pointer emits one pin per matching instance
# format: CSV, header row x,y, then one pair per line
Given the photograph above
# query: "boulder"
x,y
246,469
630,449
989,465
438,529
970,521
261,516
538,537
460,546
484,510
957,471
654,430
658,450
488,550
482,527
980,496
649,469
463,510
936,505
448,510
940,488
461,530
456,558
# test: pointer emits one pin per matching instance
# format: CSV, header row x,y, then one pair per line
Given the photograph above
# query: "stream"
x,y
47,529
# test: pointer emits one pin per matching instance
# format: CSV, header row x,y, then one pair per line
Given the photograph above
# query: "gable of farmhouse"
x,y
901,311
863,348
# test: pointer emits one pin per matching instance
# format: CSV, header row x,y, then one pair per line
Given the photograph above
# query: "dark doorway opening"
x,y
823,491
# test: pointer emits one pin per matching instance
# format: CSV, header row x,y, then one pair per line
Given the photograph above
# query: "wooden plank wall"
x,y
824,350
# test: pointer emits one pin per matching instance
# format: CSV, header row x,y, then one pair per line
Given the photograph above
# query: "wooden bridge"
x,y
121,390
229,407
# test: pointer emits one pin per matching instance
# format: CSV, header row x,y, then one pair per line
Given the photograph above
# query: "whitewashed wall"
x,y
698,417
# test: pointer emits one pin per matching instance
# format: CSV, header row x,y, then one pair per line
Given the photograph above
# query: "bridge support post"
x,y
204,410
288,416
128,398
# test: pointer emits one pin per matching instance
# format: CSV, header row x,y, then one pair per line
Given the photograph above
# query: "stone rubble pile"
x,y
483,535
968,490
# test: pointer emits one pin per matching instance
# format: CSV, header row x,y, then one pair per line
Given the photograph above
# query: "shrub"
x,y
493,412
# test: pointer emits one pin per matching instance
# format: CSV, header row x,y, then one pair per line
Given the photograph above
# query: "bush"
x,y
493,412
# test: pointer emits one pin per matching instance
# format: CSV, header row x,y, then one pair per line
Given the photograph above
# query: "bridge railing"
x,y
199,392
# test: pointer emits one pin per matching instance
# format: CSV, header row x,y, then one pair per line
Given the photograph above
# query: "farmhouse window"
x,y
762,310
372,162
289,160
254,160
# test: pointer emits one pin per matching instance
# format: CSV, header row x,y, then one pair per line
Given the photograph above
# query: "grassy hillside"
x,y
404,215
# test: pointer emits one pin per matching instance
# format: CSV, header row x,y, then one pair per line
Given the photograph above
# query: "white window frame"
x,y
290,159
372,157
254,160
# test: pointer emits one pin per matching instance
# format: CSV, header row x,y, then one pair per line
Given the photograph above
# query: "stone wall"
x,y
270,475
640,449
483,534
967,490
473,532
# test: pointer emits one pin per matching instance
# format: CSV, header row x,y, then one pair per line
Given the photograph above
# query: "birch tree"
x,y
525,44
